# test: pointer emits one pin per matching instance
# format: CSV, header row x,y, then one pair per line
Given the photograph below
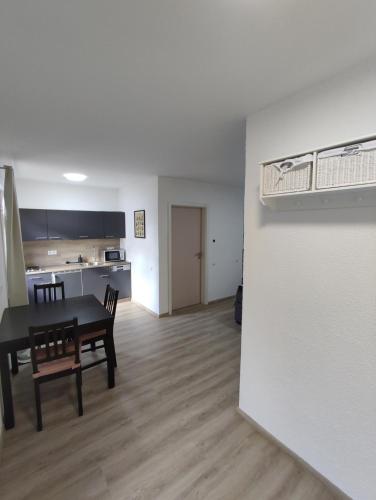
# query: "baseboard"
x,y
141,306
216,301
336,491
164,315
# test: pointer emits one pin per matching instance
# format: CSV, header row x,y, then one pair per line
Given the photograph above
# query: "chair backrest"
x,y
49,291
59,340
110,300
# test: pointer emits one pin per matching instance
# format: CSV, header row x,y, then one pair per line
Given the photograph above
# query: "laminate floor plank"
x,y
169,430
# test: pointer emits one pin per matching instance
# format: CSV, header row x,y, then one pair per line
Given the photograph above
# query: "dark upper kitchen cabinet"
x,y
89,225
33,224
62,225
71,224
114,224
74,225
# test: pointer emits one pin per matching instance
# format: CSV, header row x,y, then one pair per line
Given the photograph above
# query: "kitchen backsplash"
x,y
36,252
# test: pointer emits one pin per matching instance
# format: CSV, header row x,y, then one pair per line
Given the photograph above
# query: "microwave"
x,y
114,255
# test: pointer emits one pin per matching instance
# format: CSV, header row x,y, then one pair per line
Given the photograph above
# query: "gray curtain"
x,y
15,262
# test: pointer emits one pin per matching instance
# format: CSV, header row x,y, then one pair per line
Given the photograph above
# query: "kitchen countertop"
x,y
74,267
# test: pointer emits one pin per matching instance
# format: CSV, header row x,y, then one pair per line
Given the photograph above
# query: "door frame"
x,y
204,245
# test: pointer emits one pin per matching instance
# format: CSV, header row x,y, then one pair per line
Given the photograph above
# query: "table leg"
x,y
113,347
13,356
110,353
6,389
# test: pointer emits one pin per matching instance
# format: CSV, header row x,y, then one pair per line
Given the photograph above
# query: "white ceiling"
x,y
110,87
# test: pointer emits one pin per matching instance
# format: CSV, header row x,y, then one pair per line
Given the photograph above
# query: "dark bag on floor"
x,y
239,305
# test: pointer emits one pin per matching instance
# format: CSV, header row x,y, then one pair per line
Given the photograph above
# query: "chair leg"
x,y
14,363
110,362
38,405
79,392
113,350
93,346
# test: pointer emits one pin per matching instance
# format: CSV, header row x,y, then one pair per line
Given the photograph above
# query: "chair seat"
x,y
87,337
56,366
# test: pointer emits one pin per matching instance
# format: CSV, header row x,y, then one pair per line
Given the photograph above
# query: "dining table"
x,y
14,334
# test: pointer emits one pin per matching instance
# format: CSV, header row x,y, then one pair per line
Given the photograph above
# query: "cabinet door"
x,y
114,224
94,281
62,224
33,224
36,279
72,283
74,225
89,225
121,280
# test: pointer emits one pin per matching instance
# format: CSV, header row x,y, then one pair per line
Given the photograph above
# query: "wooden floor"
x,y
169,430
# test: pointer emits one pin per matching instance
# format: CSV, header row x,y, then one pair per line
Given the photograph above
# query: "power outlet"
x,y
52,252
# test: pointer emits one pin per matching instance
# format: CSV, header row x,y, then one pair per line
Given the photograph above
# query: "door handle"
x,y
198,255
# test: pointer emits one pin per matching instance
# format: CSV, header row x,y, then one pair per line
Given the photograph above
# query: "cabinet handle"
x,y
41,238
55,237
111,236
83,236
35,278
104,276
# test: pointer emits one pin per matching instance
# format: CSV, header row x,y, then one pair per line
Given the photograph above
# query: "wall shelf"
x,y
354,195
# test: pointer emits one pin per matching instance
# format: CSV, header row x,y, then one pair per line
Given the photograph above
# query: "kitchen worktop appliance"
x,y
114,255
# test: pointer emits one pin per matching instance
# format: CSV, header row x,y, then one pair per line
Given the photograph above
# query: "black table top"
x,y
15,323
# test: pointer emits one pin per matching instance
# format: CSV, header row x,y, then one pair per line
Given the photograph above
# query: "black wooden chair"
x,y
49,291
55,353
91,338
49,294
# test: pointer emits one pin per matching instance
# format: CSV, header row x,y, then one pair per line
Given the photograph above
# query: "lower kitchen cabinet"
x,y
91,281
94,281
72,282
36,279
120,279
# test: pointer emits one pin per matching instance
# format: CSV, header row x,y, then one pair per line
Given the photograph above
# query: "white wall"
x,y
3,282
61,196
308,365
141,193
224,225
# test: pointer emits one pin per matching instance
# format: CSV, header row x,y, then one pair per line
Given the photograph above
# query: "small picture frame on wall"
x,y
139,223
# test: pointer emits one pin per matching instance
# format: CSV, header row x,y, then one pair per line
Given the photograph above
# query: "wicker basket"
x,y
277,180
348,166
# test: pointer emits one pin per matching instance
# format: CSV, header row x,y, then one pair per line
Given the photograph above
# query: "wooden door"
x,y
186,249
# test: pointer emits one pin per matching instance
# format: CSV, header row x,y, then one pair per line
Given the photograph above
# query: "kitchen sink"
x,y
89,264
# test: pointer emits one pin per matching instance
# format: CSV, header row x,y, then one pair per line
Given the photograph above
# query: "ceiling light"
x,y
75,177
